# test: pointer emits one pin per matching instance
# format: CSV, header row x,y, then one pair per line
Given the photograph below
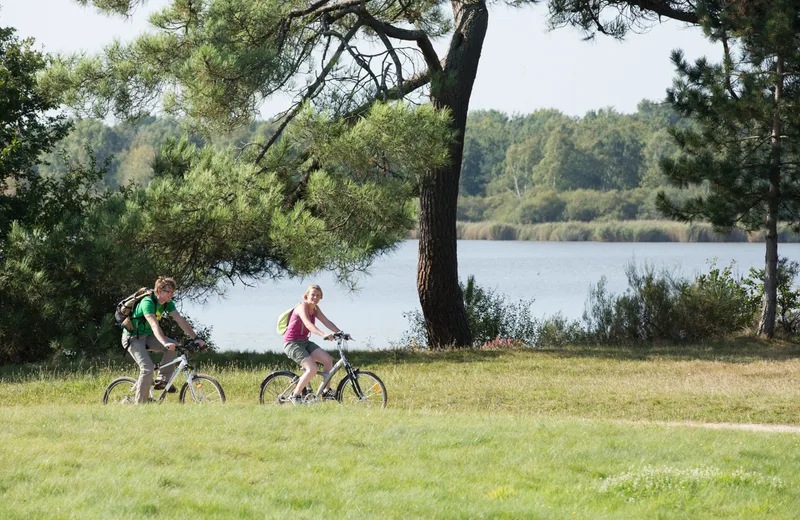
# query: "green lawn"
x,y
512,434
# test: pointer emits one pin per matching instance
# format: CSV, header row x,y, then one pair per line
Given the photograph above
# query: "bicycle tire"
x,y
277,387
121,391
364,388
202,394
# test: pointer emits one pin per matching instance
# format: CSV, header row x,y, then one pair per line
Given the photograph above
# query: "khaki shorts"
x,y
299,350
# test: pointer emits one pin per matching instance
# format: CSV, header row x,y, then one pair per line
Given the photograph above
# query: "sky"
x,y
523,67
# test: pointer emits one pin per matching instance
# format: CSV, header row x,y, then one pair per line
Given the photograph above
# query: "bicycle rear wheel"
x,y
204,390
363,388
277,387
121,391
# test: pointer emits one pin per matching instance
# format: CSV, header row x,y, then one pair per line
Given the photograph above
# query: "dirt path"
x,y
782,428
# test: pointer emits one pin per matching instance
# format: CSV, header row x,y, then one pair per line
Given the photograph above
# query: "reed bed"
x,y
610,231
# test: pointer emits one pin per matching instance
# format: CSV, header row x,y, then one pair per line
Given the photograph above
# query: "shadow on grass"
x,y
739,350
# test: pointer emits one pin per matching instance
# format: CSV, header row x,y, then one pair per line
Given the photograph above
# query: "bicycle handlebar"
x,y
341,335
190,346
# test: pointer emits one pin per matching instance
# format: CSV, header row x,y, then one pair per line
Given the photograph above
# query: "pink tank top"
x,y
296,330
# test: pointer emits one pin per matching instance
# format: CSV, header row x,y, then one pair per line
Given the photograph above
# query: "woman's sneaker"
x,y
328,395
295,399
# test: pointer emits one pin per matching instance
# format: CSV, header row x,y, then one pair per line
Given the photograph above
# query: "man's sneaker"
x,y
328,395
159,385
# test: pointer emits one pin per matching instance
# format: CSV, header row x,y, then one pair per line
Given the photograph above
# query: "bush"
x,y
582,206
471,209
546,206
787,313
657,306
490,316
58,284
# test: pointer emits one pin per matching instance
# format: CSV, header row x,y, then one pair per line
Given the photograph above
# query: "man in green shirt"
x,y
147,335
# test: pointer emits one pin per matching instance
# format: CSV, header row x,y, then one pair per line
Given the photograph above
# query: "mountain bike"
x,y
198,388
357,386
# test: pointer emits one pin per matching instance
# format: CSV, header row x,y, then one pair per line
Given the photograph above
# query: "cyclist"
x,y
297,345
147,335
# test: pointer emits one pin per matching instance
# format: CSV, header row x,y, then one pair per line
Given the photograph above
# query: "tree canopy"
x,y
27,127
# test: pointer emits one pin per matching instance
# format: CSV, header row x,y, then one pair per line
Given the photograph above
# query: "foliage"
x,y
788,309
65,268
491,316
658,307
496,145
27,126
207,218
744,150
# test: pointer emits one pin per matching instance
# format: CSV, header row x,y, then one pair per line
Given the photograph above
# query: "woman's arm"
x,y
328,323
302,311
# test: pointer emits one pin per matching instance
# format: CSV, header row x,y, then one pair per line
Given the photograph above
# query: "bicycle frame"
x,y
327,376
183,365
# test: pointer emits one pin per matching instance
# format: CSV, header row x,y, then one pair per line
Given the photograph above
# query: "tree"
x,y
746,149
613,140
485,144
27,130
216,60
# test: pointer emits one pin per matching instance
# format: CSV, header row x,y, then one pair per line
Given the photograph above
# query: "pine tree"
x,y
746,146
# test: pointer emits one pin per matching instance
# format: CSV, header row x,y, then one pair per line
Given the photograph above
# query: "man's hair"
x,y
164,283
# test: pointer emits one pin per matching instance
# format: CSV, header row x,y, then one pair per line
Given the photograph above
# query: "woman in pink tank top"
x,y
297,345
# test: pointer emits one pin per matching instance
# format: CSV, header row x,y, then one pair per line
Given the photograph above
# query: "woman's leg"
x,y
320,356
310,370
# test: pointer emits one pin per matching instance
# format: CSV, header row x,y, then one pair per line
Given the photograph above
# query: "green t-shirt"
x,y
148,305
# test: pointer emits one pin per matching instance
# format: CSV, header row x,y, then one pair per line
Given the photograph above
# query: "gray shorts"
x,y
299,350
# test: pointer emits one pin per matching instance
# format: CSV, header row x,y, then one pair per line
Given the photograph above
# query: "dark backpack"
x,y
127,306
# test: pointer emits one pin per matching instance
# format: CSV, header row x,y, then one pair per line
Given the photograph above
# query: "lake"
x,y
556,275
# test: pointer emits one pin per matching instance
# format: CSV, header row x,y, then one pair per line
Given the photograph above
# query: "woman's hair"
x,y
165,282
312,287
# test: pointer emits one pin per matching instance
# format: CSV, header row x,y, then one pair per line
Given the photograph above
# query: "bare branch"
x,y
421,37
310,91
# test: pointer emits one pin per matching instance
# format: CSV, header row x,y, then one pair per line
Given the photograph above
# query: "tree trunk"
x,y
437,273
766,324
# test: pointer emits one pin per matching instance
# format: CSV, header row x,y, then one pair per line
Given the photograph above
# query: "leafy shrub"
x,y
490,316
546,206
787,318
57,284
582,205
714,305
471,209
656,306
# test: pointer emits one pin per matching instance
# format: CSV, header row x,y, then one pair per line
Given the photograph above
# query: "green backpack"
x,y
283,321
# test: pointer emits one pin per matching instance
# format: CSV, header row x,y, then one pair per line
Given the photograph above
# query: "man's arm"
x,y
159,334
185,327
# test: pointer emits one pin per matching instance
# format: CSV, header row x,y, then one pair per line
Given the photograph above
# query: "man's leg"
x,y
137,348
154,345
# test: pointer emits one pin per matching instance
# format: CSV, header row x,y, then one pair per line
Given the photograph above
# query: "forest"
x,y
519,168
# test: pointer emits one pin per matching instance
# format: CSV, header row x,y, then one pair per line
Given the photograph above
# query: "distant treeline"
x,y
518,169
129,148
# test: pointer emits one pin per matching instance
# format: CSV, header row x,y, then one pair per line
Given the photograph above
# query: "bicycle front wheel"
x,y
277,387
364,388
121,391
203,390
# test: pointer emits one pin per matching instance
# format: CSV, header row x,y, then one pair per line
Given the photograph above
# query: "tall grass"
x,y
609,231
719,382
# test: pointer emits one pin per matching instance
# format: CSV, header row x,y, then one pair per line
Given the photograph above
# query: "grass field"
x,y
470,434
